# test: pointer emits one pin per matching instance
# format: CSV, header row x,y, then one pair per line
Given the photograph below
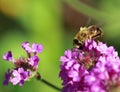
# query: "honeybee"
x,y
85,33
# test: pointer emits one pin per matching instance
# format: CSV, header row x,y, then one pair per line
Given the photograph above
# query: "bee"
x,y
85,33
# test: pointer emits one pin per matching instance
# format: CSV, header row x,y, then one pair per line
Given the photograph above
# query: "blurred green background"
x,y
52,23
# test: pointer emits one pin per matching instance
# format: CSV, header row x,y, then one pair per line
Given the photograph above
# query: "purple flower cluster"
x,y
25,68
95,68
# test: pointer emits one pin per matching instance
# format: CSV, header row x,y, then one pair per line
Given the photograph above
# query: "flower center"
x,y
88,59
21,62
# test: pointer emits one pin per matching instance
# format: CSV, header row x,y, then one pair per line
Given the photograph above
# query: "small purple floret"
x,y
8,56
36,48
26,46
19,76
7,77
34,61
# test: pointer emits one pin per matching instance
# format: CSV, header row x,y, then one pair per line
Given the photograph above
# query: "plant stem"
x,y
47,83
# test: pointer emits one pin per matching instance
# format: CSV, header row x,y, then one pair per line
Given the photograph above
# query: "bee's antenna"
x,y
100,25
88,22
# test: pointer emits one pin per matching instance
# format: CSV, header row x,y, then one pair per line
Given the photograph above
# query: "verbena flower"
x,y
25,68
19,76
95,68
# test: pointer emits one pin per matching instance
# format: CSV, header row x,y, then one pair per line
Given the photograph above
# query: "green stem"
x,y
51,85
87,10
47,83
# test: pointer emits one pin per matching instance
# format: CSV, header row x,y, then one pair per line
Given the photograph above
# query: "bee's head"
x,y
77,43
